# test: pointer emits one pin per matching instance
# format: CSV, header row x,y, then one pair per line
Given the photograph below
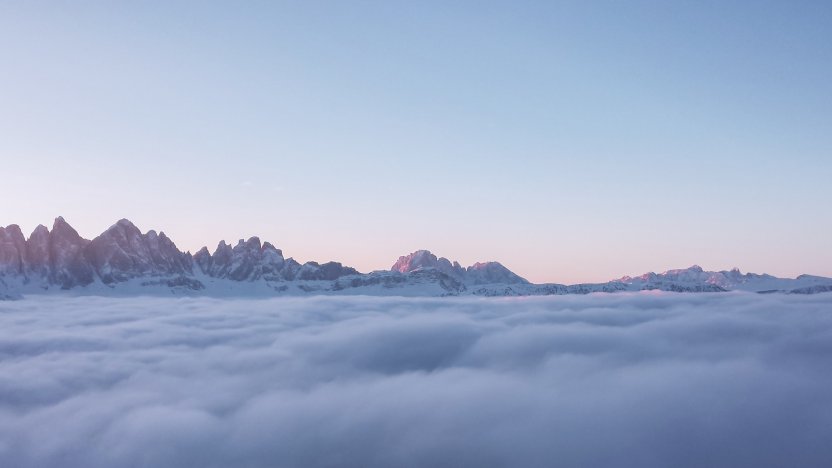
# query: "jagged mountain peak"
x,y
62,258
493,272
12,229
268,246
12,250
60,226
65,258
415,260
122,227
40,229
695,278
123,252
677,271
478,273
124,222
249,260
252,243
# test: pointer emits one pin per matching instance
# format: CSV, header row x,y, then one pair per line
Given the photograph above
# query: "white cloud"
x,y
648,380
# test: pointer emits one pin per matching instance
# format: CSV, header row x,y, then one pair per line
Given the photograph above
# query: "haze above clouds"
x,y
648,380
573,141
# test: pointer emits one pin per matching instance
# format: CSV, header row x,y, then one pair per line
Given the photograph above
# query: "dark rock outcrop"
x,y
68,266
122,252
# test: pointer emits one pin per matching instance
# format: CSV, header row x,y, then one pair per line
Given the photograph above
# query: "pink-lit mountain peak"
x,y
418,259
478,273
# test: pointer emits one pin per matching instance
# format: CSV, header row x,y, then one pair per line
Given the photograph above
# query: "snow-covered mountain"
x,y
478,273
695,277
125,261
123,252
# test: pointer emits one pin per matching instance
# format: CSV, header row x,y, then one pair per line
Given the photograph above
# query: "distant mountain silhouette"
x,y
123,260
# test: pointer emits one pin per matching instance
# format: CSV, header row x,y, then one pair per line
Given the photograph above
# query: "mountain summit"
x,y
124,260
478,273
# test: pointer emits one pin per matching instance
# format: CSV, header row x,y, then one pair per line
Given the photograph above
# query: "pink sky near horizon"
x,y
362,256
570,141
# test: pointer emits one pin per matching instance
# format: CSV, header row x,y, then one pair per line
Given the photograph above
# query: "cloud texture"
x,y
647,380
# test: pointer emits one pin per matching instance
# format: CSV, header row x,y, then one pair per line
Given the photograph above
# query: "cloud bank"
x,y
647,380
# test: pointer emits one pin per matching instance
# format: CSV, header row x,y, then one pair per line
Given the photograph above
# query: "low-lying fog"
x,y
641,380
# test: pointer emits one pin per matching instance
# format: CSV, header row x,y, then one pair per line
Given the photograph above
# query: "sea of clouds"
x,y
624,380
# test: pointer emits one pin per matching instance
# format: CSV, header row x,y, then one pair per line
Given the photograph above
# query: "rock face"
x,y
62,258
476,274
423,259
68,266
124,257
12,250
323,272
695,279
247,261
492,272
250,260
122,252
55,258
37,254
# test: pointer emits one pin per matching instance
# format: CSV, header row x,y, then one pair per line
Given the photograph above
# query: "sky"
x,y
571,141
656,379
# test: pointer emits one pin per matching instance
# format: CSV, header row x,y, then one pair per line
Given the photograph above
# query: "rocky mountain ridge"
x,y
123,260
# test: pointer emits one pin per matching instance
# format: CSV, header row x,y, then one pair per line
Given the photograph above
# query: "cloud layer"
x,y
647,380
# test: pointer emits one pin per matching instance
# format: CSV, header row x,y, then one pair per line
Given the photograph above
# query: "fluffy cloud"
x,y
647,380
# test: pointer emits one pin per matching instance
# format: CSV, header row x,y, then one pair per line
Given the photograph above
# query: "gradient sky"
x,y
572,141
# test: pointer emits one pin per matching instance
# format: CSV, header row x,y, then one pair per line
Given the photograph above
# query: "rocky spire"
x,y
123,252
67,263
12,250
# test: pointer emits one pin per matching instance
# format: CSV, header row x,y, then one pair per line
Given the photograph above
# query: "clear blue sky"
x,y
572,141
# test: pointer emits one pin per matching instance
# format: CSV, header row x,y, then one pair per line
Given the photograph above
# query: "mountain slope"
x,y
478,273
124,261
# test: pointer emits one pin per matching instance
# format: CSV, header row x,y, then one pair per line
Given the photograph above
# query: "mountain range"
x,y
124,261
